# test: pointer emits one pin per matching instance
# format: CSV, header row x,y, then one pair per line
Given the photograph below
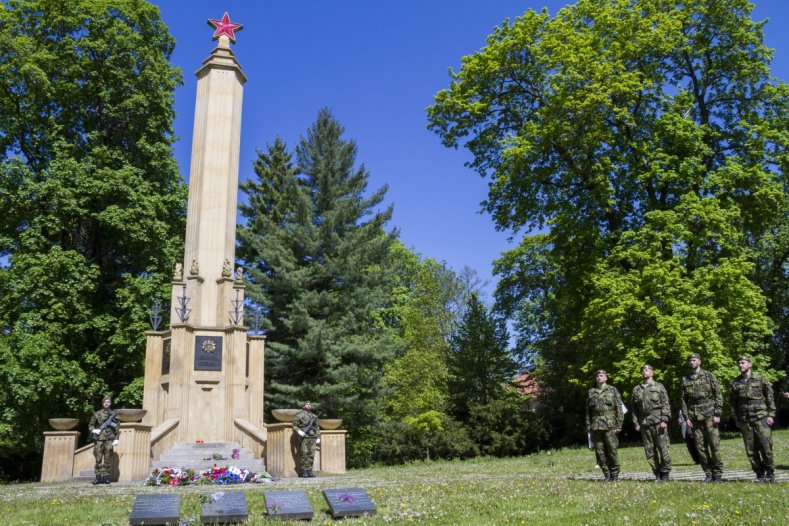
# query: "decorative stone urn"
x,y
131,415
285,415
330,423
63,424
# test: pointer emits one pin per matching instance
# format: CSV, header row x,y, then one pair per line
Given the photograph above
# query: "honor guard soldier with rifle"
x,y
306,426
104,432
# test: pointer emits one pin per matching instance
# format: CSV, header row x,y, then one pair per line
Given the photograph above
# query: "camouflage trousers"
x,y
708,443
102,452
605,444
656,445
758,438
307,453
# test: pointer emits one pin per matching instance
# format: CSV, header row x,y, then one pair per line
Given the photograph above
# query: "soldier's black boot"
x,y
310,474
97,480
664,477
708,478
717,479
607,477
769,477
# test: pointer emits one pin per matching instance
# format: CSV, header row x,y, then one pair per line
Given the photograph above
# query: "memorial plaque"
x,y
348,502
155,509
208,353
224,508
294,505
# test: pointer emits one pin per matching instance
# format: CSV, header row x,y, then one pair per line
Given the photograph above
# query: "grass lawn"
x,y
535,489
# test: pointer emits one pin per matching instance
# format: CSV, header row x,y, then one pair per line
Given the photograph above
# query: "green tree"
x,y
91,204
640,145
480,364
317,255
425,309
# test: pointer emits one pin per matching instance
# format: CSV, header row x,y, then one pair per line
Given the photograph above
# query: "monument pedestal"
x,y
134,451
333,451
59,447
282,450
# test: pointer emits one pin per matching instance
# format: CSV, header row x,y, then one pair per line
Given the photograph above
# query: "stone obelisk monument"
x,y
204,377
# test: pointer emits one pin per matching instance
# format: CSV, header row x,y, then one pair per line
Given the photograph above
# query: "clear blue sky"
x,y
377,66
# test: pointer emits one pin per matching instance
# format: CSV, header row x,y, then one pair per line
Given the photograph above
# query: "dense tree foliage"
x,y
318,258
427,302
641,147
91,203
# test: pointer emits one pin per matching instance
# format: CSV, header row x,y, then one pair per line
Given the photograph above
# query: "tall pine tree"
x,y
480,364
316,251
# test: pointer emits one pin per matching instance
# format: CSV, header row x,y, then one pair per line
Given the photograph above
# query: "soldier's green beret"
x,y
647,366
107,397
745,358
601,371
694,355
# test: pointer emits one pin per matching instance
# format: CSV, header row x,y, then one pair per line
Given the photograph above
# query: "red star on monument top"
x,y
225,27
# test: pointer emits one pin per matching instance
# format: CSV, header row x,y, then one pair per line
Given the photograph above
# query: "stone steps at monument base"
x,y
197,456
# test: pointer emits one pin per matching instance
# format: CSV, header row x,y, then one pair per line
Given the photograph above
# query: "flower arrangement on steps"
x,y
216,475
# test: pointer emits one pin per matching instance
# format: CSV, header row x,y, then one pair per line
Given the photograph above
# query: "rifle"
x,y
112,421
310,425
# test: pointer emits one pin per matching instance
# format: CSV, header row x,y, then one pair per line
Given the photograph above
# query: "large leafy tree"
x,y
640,146
317,254
91,203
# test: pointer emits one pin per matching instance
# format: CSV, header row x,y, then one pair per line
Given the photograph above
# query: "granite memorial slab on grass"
x,y
349,502
223,508
293,505
155,509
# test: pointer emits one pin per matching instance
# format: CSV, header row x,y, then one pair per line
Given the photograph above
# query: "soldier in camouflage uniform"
x,y
104,431
753,407
651,412
306,426
702,404
603,422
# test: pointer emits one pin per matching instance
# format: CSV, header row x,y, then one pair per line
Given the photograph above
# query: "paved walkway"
x,y
781,475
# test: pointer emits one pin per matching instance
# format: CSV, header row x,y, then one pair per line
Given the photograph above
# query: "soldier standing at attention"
x,y
753,407
702,404
651,412
104,431
306,425
603,421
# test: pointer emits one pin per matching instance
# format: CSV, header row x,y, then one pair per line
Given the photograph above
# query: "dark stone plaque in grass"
x,y
155,509
224,508
294,505
348,502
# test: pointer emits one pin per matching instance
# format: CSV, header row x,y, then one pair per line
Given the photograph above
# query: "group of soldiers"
x,y
752,404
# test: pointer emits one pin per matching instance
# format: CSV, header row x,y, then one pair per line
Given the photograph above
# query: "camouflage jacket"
x,y
303,419
110,431
650,404
701,396
604,409
751,398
